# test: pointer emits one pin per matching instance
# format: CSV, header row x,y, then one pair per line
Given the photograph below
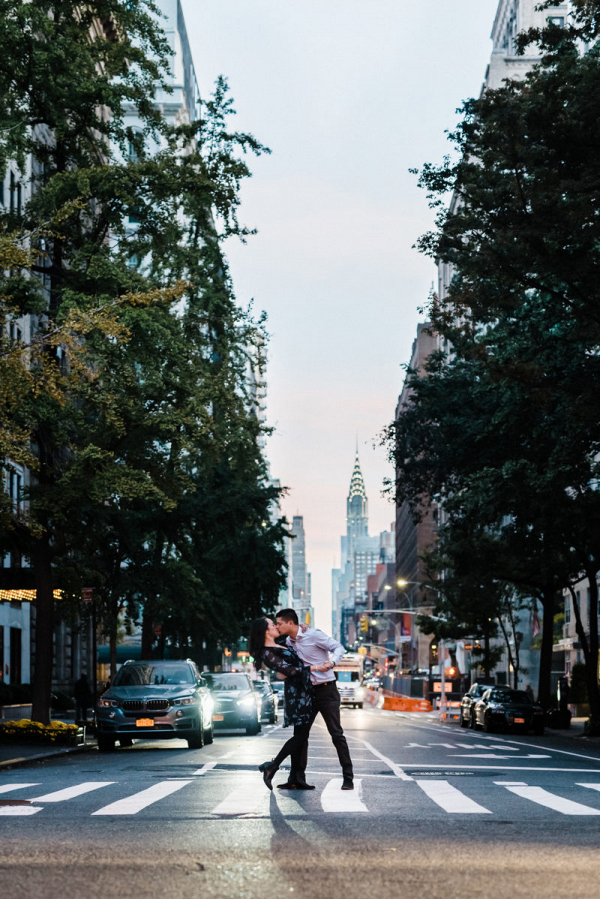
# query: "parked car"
x,y
473,695
155,700
237,703
268,698
508,708
277,686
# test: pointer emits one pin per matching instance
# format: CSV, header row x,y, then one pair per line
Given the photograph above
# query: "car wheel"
x,y
196,741
253,728
105,743
209,735
125,742
360,705
487,725
473,720
462,721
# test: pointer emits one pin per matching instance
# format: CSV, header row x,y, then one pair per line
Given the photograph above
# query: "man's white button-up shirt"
x,y
315,647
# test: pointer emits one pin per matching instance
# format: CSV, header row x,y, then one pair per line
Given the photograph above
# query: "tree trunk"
x,y
548,600
112,639
147,631
44,629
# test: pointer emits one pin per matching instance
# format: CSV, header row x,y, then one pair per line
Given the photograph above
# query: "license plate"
x,y
218,718
519,720
145,722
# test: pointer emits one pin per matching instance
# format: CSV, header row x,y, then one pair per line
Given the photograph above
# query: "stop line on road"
x,y
250,799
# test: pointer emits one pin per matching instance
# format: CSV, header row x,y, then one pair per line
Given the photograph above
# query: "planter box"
x,y
15,712
35,737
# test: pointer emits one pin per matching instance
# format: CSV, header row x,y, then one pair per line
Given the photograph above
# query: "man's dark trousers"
x,y
327,702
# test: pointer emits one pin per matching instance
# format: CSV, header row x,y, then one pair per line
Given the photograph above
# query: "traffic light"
x,y
364,624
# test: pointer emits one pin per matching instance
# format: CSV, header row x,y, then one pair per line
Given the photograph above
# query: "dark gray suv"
x,y
155,700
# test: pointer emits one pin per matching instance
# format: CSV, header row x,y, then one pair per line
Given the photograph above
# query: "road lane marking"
x,y
450,799
20,810
8,788
134,804
426,726
392,765
248,796
334,799
590,786
208,767
492,755
413,765
549,800
510,783
71,792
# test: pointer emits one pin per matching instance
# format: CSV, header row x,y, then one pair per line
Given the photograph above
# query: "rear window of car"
x,y
153,675
227,681
261,687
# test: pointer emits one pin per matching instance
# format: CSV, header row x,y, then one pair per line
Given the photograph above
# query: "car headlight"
x,y
247,702
107,703
183,700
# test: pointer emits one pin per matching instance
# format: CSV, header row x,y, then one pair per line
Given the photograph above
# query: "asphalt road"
x,y
438,812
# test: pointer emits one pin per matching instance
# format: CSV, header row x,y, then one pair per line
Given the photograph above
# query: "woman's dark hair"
x,y
258,630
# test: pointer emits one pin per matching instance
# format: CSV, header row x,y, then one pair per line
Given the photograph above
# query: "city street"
x,y
437,811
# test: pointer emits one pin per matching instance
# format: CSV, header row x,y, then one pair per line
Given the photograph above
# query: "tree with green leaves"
x,y
119,453
506,428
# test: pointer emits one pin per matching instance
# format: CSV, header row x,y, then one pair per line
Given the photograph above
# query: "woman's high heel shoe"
x,y
269,770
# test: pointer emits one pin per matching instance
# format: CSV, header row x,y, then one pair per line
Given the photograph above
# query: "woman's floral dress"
x,y
298,691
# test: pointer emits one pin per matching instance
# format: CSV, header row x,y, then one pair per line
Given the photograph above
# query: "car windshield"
x,y
278,686
227,681
518,696
153,675
262,688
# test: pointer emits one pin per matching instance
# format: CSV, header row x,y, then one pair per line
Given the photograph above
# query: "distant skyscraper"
x,y
360,555
300,578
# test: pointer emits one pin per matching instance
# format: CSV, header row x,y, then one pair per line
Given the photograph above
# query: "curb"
x,y
58,753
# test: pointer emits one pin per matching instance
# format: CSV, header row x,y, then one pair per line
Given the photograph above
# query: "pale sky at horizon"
x,y
349,95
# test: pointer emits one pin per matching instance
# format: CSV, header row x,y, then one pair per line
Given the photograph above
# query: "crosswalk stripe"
x,y
590,786
248,796
450,799
20,810
8,788
139,801
72,792
334,799
208,767
549,800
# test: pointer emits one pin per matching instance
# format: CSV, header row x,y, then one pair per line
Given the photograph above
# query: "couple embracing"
x,y
306,661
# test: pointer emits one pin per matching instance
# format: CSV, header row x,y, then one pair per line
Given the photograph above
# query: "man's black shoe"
x,y
288,785
301,784
348,784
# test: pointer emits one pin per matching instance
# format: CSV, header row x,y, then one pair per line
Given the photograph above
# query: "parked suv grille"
x,y
133,705
156,704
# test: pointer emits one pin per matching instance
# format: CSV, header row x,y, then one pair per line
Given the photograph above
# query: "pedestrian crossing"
x,y
239,794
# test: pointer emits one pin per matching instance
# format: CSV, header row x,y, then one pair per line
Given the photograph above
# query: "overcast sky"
x,y
348,94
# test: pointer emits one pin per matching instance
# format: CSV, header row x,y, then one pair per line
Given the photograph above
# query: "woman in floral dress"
x,y
298,708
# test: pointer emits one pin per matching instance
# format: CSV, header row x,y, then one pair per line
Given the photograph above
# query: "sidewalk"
x,y
17,754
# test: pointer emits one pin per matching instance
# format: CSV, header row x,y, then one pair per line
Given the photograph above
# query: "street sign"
x,y
437,687
87,594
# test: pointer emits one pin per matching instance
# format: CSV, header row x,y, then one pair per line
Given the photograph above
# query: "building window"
x,y
567,609
556,20
15,655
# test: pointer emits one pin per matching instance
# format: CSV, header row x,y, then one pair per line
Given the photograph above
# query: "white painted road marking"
x,y
8,788
334,799
247,797
450,799
590,786
20,810
71,792
138,801
208,767
549,800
